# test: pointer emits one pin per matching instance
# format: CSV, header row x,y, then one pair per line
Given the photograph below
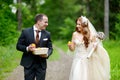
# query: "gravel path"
x,y
56,70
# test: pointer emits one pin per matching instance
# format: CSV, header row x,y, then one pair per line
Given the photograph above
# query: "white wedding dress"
x,y
97,67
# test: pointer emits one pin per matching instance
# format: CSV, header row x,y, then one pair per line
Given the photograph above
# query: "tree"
x,y
19,15
7,24
114,18
106,18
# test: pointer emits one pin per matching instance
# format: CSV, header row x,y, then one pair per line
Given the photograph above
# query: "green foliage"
x,y
27,17
55,55
113,51
8,55
114,18
61,44
62,9
7,25
58,13
67,30
62,15
117,28
113,48
5,2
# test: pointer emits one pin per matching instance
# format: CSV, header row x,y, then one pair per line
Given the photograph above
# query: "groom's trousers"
x,y
35,71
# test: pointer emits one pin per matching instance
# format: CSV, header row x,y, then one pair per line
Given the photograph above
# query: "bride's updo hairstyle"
x,y
85,31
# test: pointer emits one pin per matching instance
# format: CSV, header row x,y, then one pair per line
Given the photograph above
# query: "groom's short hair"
x,y
39,17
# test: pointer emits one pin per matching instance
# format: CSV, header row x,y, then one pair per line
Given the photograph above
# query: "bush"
x,y
66,31
7,26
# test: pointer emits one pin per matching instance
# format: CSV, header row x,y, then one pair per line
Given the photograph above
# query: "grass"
x,y
61,44
10,57
55,55
113,48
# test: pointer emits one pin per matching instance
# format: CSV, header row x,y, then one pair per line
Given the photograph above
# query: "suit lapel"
x,y
32,35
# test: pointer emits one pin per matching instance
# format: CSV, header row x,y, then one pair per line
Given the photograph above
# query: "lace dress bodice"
x,y
80,49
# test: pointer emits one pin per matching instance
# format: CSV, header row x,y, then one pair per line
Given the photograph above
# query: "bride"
x,y
91,60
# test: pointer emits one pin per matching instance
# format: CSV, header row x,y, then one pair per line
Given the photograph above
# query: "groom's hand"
x,y
31,47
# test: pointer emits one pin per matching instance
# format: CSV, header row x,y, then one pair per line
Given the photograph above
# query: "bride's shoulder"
x,y
75,33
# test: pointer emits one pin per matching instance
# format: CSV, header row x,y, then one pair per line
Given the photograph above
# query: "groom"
x,y
35,65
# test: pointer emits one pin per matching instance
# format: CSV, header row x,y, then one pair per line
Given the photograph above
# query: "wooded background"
x,y
16,15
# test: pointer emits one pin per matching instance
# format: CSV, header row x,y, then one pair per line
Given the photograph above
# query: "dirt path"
x,y
56,70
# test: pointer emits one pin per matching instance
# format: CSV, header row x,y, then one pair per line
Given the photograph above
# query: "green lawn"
x,y
113,48
10,57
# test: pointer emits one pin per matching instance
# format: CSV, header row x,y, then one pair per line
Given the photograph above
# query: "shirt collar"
x,y
34,28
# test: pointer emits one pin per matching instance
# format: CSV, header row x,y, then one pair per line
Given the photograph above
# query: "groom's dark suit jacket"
x,y
25,39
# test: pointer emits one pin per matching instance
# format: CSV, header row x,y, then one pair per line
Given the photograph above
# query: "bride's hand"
x,y
71,45
101,35
69,42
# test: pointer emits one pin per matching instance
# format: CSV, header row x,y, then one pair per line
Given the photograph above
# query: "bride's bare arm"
x,y
95,41
71,45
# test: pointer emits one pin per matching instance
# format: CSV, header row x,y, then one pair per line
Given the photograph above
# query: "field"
x,y
113,48
10,57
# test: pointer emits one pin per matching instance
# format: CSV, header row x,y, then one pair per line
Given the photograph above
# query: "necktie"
x,y
37,36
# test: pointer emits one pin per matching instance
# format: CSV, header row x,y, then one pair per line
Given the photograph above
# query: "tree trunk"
x,y
19,15
106,18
